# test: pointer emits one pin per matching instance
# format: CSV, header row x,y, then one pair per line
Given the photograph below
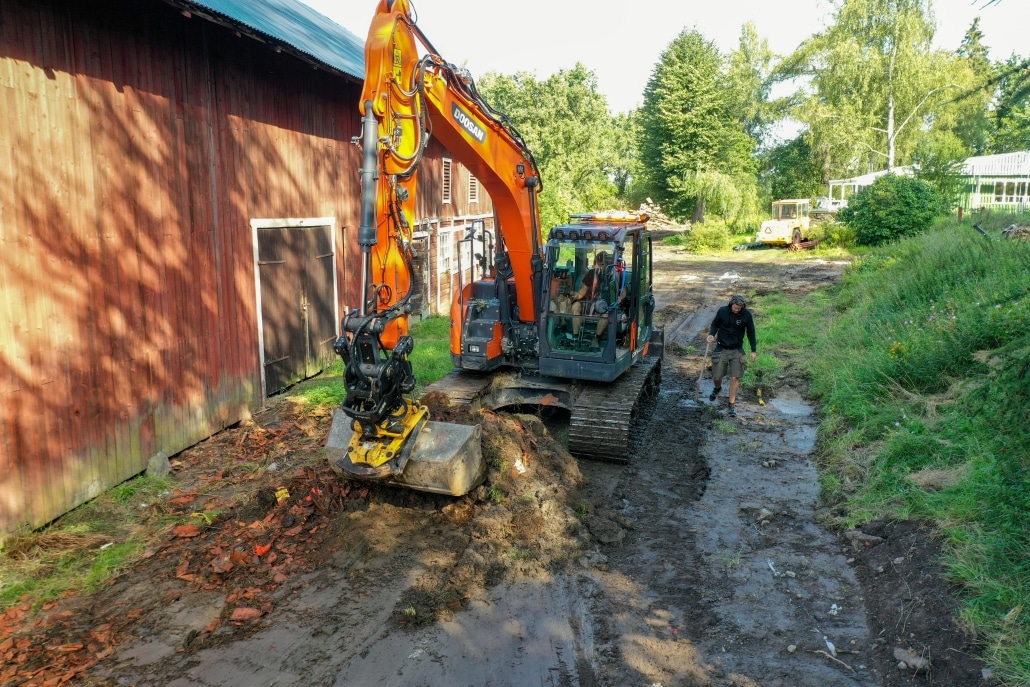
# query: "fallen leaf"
x,y
294,531
244,614
222,565
187,531
262,549
240,557
68,648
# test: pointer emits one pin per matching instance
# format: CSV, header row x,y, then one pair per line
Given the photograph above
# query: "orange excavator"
x,y
565,323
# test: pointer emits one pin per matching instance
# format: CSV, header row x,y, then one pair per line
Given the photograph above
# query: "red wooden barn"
x,y
178,201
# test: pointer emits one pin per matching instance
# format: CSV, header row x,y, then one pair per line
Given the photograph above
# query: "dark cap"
x,y
738,299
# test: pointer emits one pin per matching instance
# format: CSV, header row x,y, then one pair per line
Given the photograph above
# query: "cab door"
x,y
644,296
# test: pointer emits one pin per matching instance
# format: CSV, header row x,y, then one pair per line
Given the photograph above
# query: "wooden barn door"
x,y
297,290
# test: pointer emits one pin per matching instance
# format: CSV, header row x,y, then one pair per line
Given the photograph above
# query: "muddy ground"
x,y
701,563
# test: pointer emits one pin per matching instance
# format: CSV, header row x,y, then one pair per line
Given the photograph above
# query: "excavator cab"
x,y
597,293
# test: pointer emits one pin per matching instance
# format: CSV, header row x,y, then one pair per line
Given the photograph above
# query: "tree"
x,y
1012,115
691,141
970,118
938,160
749,79
566,123
790,170
874,82
624,161
892,208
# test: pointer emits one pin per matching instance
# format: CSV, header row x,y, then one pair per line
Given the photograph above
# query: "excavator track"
x,y
603,413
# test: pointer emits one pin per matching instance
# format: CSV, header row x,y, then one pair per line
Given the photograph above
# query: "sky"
x,y
622,42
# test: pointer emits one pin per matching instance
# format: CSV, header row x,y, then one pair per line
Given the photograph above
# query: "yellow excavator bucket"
x,y
438,457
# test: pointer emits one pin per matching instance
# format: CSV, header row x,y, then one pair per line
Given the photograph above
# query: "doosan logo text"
x,y
467,124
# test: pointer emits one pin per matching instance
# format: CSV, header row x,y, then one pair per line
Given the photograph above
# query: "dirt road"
x,y
699,564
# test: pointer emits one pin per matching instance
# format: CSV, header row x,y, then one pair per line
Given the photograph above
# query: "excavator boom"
x,y
507,318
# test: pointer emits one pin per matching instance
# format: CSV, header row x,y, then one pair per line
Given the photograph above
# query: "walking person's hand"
x,y
754,354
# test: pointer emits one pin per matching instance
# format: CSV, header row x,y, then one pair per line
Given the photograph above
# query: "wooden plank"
x,y
54,295
31,318
11,485
10,212
85,62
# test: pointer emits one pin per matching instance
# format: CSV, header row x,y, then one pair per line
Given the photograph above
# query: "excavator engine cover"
x,y
444,458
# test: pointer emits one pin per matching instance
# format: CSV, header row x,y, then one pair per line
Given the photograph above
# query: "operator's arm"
x,y
750,330
584,287
714,327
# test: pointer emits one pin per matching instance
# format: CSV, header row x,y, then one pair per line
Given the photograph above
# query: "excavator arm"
x,y
413,94
410,94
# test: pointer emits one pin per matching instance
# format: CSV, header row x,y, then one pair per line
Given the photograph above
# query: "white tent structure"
x,y
842,189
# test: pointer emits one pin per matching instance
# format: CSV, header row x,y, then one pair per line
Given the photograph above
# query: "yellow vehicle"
x,y
789,224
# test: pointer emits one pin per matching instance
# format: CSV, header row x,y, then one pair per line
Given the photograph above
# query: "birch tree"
x,y
874,84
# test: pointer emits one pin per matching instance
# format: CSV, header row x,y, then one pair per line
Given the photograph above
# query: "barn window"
x,y
473,189
445,246
445,181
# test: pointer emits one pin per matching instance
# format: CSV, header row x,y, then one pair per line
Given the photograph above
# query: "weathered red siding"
x,y
135,146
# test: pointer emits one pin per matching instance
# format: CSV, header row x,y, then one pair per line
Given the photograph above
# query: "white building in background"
x,y
997,182
991,182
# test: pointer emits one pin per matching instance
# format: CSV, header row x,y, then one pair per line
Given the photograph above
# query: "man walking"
x,y
732,322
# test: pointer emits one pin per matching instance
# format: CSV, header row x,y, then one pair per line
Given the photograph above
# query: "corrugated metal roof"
x,y
1003,164
295,24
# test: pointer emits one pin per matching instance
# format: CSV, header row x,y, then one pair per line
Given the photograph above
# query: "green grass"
x,y
86,547
430,360
920,358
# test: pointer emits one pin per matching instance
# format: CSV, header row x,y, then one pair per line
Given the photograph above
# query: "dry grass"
x,y
50,544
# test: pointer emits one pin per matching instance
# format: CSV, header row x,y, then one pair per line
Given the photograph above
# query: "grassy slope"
x,y
922,368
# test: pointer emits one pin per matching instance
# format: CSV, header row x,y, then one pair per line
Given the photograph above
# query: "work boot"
x,y
715,392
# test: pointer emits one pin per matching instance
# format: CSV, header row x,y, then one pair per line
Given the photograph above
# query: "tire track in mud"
x,y
652,597
719,566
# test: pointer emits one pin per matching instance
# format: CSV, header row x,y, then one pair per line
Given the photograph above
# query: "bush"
x,y
892,208
708,237
834,235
